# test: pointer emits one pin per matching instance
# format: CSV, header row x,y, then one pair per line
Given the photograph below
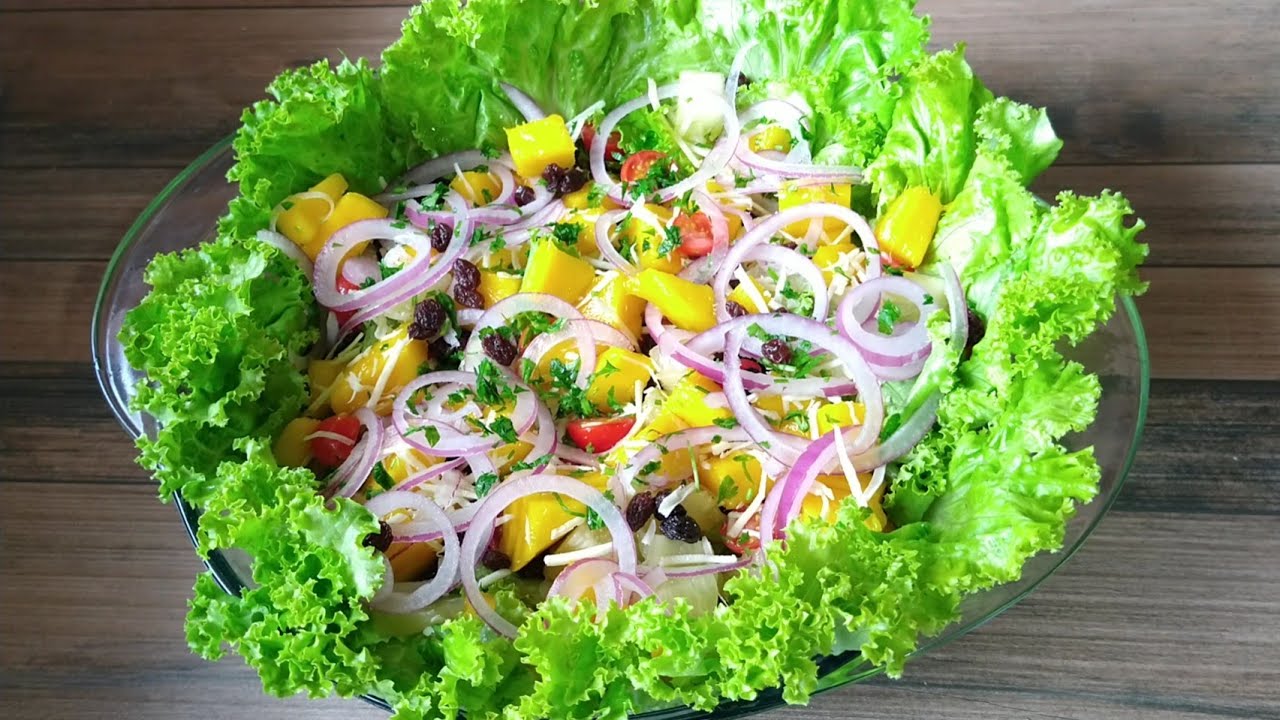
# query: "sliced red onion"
x,y
580,576
895,350
447,570
291,251
956,306
357,270
686,439
576,456
904,438
513,489
708,569
628,584
601,334
794,264
787,493
451,442
783,446
429,474
525,104
354,471
604,241
442,166
504,310
409,193
704,268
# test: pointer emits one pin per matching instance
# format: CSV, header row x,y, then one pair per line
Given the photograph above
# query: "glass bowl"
x,y
185,213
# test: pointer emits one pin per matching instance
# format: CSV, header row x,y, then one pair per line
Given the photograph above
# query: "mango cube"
x,y
496,286
556,272
688,305
617,372
349,208
477,188
688,399
794,195
537,144
609,302
906,229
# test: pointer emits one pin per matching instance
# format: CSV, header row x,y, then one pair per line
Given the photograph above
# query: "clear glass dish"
x,y
185,213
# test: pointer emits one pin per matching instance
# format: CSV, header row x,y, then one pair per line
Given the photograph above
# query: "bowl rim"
x,y
227,579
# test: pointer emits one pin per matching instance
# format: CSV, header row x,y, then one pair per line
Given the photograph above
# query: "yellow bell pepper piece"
x,y
794,195
334,186
534,520
733,480
772,138
321,374
609,302
648,241
353,388
349,208
688,400
477,188
907,226
748,294
496,286
617,371
292,448
301,219
839,414
535,145
829,257
688,305
554,271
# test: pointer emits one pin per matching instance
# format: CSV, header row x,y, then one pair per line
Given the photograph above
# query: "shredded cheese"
x,y
850,475
754,507
749,287
565,528
676,496
388,365
595,551
325,434
696,559
493,577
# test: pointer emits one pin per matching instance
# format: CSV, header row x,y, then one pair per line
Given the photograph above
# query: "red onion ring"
x,y
888,350
429,474
502,312
604,242
686,439
446,572
794,263
708,569
580,576
451,442
600,333
513,489
629,584
291,251
353,471
522,102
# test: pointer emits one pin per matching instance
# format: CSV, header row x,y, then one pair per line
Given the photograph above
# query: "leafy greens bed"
x,y
989,486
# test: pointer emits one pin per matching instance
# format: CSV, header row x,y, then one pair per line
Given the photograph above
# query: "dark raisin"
x,y
743,80
750,365
977,330
468,298
776,352
380,540
679,526
502,350
441,234
535,570
428,319
562,181
494,559
523,195
640,509
647,343
734,309
466,275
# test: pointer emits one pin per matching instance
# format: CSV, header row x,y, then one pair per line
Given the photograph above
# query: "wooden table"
x,y
1172,610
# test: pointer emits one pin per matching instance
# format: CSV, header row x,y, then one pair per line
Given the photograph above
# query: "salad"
x,y
587,359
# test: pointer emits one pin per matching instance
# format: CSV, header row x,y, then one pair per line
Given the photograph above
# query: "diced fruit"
x,y
829,257
733,480
609,302
469,609
400,465
504,456
907,226
675,464
411,561
701,506
812,505
321,374
749,295
496,286
534,520
333,447
688,400
301,219
577,200
349,208
648,241
772,138
292,449
839,414
617,372
688,305
586,222
477,188
600,435
535,145
612,150
334,186
795,195
354,386
556,272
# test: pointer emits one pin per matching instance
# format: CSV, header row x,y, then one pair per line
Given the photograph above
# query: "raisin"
x,y
494,559
535,570
734,309
640,509
468,298
523,195
776,352
743,80
562,181
428,319
502,350
380,540
466,275
441,234
977,330
679,526
749,365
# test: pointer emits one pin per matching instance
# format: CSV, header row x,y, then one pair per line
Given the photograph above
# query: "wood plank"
x,y
57,5
1196,214
1118,633
1117,95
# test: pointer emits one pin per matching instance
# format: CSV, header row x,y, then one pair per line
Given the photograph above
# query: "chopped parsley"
x,y
434,199
796,301
888,316
484,484
728,489
799,418
531,464
489,150
566,236
670,240
382,477
891,425
491,387
726,423
608,369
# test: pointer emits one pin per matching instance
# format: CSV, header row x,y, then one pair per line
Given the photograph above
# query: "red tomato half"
x,y
612,151
599,435
637,166
329,451
695,234
345,286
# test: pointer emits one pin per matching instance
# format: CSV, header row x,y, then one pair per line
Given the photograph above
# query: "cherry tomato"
x,y
752,541
345,286
637,166
599,435
612,151
330,452
695,234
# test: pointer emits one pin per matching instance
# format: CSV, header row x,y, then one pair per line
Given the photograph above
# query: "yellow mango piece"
x,y
748,294
504,456
400,466
687,305
469,609
794,195
537,144
301,220
477,188
610,303
556,272
497,286
732,480
907,226
292,448
828,258
811,506
663,423
772,138
321,374
349,208
839,414
617,371
334,186
688,400
648,241
577,200
586,222
534,519
353,388
411,561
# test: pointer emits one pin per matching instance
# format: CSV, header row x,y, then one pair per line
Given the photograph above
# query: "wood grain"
x,y
1118,94
1106,637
